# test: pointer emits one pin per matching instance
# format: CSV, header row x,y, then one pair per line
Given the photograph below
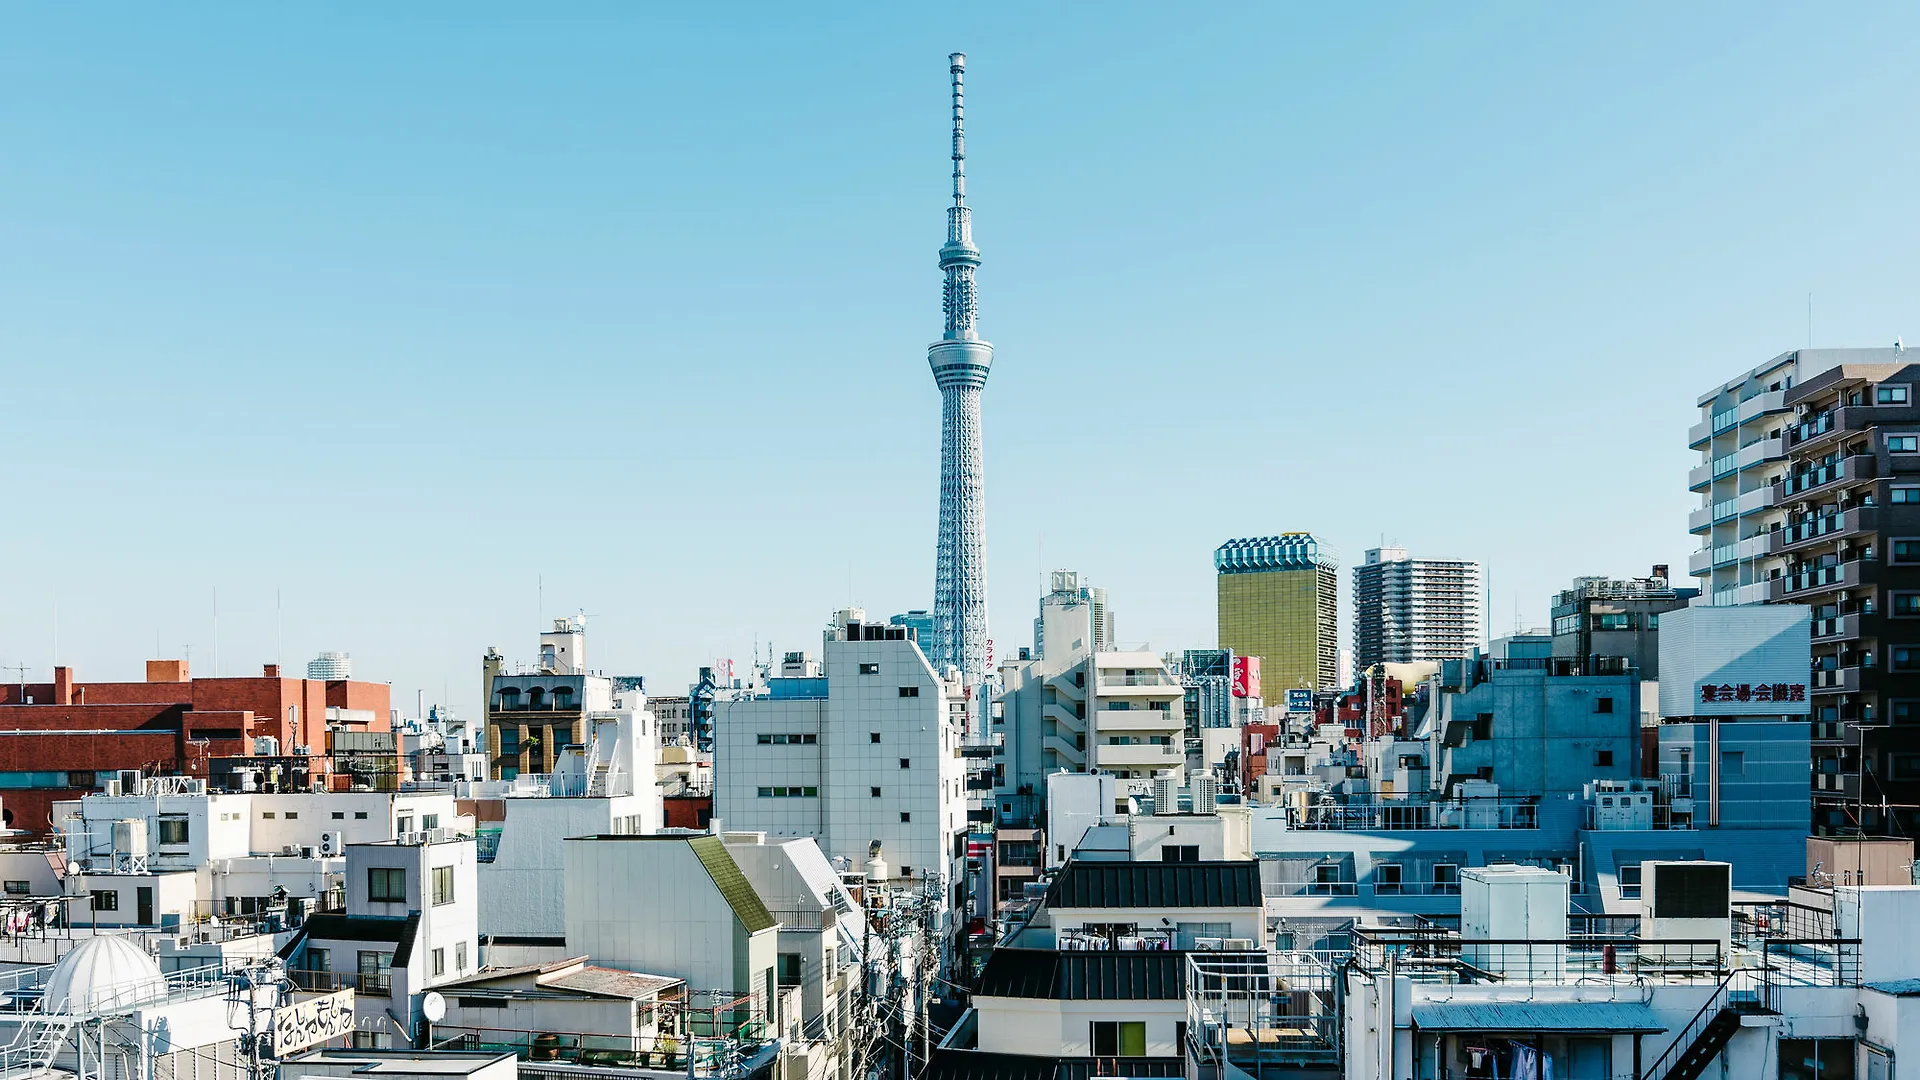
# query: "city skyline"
x,y
541,352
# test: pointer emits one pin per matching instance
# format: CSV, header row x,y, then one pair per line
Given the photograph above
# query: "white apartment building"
x,y
822,935
866,752
411,923
1076,710
1742,456
175,854
1407,609
604,787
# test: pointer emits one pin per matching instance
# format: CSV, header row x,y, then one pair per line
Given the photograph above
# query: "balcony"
x,y
1826,425
1137,720
1847,575
1700,476
366,984
1139,757
1846,680
1838,627
1810,481
1698,434
1699,520
1811,530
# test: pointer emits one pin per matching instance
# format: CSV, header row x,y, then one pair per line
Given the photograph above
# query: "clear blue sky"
x,y
397,310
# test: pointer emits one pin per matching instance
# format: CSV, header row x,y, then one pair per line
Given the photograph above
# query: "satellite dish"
x,y
433,1007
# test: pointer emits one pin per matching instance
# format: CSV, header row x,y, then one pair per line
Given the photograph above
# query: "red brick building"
x,y
63,739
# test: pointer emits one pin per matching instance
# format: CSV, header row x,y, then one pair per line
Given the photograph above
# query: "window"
x,y
1905,605
1733,763
873,736
1603,759
173,831
386,885
1180,853
1904,495
1446,878
373,963
1119,1038
869,669
1603,705
266,815
1905,551
914,691
1903,444
439,962
339,815
1903,712
319,960
292,814
876,793
788,792
1903,766
789,971
443,885
19,888
459,957
1890,395
359,815
405,824
106,900
1386,879
429,822
906,818
906,763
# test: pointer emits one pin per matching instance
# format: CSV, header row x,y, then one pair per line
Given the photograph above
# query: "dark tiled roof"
x,y
974,1065
1085,976
1152,884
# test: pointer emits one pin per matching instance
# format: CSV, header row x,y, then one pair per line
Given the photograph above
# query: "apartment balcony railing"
x,y
1847,575
368,984
1809,530
1845,680
1820,477
1394,816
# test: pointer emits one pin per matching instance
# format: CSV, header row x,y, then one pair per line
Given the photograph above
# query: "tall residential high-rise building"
x,y
1065,589
330,667
960,361
1407,609
1278,600
1809,480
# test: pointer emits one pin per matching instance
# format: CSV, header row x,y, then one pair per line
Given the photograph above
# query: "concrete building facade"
x,y
1407,609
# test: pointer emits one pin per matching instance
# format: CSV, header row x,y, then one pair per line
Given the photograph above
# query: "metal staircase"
x,y
597,780
33,1050
1704,1037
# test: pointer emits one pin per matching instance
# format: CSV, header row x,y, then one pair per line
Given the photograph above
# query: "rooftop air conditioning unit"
x,y
1237,944
129,781
306,852
332,844
289,849
184,941
110,787
1208,944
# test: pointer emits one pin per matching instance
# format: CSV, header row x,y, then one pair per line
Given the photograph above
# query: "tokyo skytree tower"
x,y
960,361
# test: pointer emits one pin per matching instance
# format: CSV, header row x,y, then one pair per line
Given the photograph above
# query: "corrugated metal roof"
x,y
608,982
1897,987
746,903
1151,884
1616,1016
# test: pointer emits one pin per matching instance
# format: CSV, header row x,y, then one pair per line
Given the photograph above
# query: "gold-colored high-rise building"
x,y
1279,600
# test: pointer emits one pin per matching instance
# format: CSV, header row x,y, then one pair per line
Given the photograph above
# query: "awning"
x,y
1604,1016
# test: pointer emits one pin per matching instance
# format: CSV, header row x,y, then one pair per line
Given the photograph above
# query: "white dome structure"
x,y
103,973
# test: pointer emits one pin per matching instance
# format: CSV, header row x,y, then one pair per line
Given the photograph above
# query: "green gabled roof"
x,y
746,903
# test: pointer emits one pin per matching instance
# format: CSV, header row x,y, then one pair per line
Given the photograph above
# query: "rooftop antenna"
x,y
216,631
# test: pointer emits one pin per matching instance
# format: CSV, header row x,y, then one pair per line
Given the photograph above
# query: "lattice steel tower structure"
x,y
960,361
